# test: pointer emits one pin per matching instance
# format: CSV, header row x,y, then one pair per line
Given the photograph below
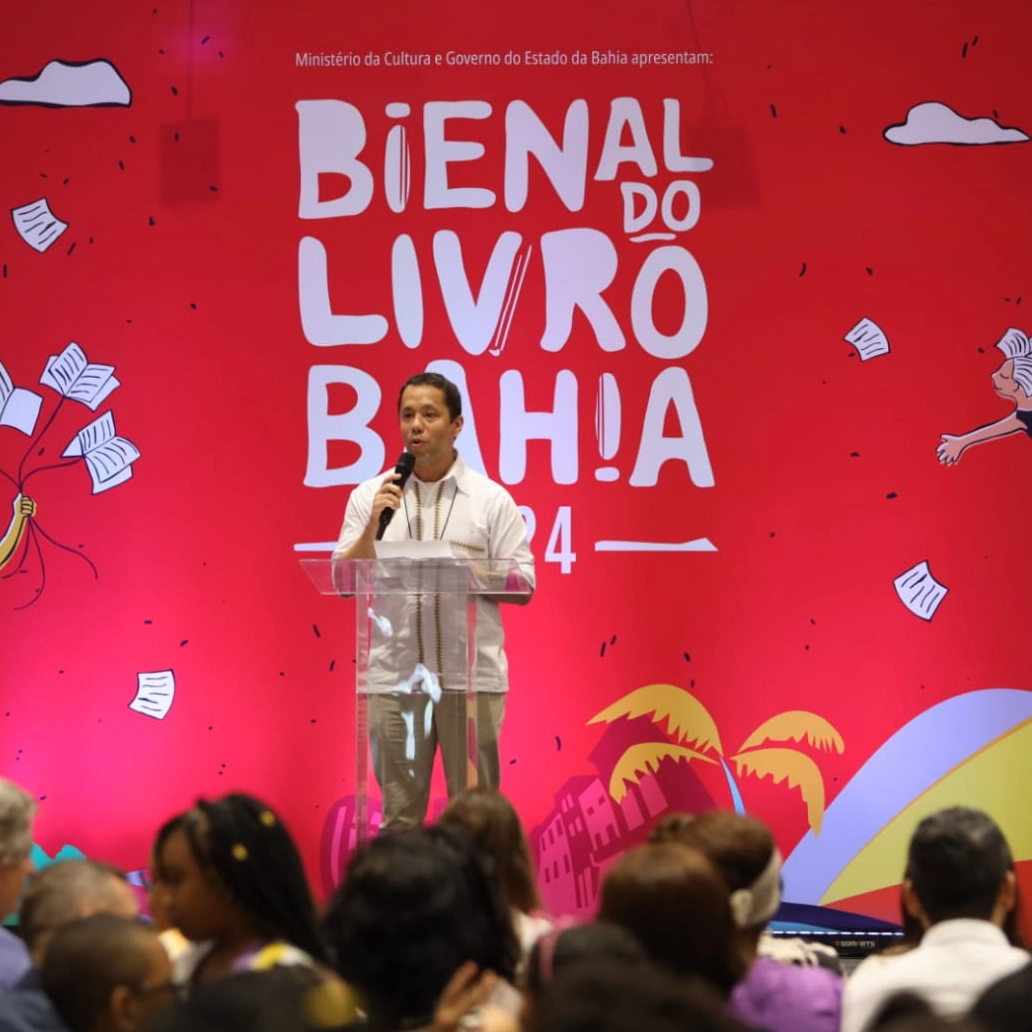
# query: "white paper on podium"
x,y
410,548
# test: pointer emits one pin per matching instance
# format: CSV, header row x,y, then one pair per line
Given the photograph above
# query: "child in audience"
x,y
231,880
106,974
172,938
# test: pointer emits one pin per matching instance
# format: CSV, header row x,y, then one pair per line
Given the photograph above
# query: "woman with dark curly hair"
x,y
414,907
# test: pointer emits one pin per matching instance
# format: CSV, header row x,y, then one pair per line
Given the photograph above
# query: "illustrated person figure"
x,y
1013,381
24,508
474,518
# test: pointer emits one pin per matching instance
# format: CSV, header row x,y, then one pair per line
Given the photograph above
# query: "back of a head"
x,y
245,845
607,996
69,889
89,958
957,863
743,850
907,1012
494,824
281,999
412,908
739,844
1004,1006
675,901
562,949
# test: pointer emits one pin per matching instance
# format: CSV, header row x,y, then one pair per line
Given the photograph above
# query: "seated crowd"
x,y
441,928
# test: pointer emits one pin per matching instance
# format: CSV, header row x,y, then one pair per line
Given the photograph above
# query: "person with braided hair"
x,y
232,881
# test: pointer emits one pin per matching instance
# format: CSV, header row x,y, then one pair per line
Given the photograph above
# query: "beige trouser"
x,y
404,733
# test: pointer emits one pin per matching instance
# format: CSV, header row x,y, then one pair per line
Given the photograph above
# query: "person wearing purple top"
x,y
786,998
772,995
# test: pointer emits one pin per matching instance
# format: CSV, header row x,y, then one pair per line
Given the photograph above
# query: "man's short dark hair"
x,y
957,862
452,397
88,959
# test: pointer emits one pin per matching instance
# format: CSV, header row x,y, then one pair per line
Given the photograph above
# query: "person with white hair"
x,y
1013,381
17,808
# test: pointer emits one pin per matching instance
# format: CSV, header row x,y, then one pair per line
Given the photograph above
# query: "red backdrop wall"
x,y
806,474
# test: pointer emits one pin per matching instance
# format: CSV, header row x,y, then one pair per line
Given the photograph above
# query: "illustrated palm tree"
x,y
694,736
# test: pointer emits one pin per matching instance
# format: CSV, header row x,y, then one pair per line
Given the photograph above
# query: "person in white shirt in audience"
x,y
960,886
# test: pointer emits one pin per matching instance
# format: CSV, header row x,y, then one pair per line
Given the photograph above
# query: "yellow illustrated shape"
x,y
696,736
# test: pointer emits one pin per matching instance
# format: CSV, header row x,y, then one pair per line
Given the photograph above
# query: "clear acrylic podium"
x,y
415,665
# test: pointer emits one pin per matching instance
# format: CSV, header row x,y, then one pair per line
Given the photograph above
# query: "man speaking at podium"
x,y
443,500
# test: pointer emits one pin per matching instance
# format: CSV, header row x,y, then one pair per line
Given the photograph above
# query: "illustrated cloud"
x,y
933,122
70,84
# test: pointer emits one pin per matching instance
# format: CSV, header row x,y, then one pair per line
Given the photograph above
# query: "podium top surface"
x,y
404,576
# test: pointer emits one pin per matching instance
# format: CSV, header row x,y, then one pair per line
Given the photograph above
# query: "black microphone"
x,y
406,462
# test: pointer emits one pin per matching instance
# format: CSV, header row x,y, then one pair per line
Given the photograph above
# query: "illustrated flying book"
x,y
37,225
1014,342
154,693
868,339
919,591
109,457
74,376
18,407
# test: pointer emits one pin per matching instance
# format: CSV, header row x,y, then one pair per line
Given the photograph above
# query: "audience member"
x,y
787,949
601,996
414,907
280,999
231,880
561,950
106,974
906,1012
912,930
17,808
70,889
59,894
495,826
1006,1006
675,901
960,885
903,1007
172,938
771,995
